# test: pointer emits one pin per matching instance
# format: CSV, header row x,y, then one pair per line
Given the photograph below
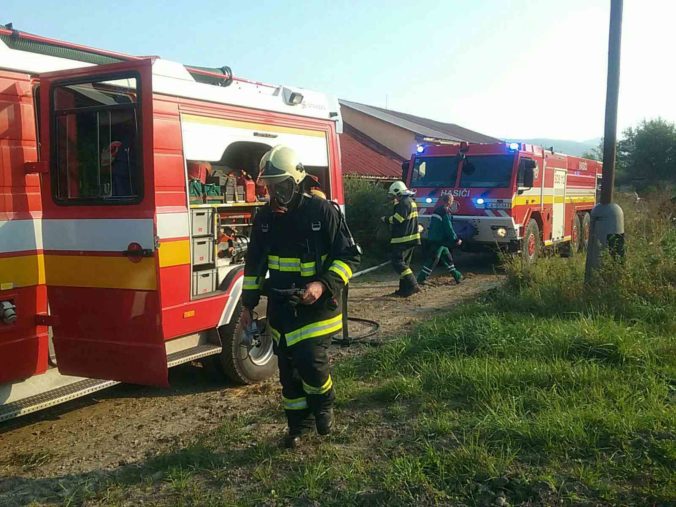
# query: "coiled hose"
x,y
346,339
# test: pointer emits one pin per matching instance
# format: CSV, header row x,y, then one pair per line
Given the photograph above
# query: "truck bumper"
x,y
487,231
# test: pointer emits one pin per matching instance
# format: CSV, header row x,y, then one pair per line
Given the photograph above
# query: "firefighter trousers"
x,y
401,257
305,375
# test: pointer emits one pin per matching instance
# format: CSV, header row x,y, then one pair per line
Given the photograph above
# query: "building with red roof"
x,y
376,141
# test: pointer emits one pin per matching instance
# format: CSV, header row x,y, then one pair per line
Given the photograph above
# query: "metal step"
x,y
53,397
187,355
68,388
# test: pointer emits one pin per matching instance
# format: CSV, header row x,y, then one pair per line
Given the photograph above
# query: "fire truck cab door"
x,y
98,226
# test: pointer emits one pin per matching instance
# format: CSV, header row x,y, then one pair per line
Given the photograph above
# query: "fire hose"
x,y
348,340
254,331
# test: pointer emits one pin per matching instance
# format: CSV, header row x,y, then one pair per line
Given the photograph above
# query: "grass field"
x,y
545,391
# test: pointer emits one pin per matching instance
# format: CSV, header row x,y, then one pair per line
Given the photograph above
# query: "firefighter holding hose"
x,y
405,237
302,241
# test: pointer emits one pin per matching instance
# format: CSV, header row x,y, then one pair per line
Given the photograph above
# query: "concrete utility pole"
x,y
607,218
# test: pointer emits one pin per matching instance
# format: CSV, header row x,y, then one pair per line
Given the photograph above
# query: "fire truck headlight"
x,y
428,200
501,232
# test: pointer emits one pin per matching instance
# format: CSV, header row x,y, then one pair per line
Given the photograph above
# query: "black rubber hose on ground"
x,y
348,340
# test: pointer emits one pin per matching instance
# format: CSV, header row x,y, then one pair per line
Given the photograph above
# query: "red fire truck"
x,y
111,268
510,196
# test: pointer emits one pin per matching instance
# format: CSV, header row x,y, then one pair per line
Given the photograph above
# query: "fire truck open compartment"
x,y
221,216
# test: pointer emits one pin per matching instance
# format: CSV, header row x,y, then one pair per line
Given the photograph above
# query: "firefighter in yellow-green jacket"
x,y
405,237
304,244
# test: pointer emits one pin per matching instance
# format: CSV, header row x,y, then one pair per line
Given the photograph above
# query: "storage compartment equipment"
x,y
202,251
203,282
202,222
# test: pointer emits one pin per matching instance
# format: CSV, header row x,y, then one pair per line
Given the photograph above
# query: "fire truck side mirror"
x,y
528,177
404,169
528,173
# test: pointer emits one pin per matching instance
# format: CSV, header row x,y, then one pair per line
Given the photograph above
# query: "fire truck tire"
x,y
584,231
240,364
531,242
573,246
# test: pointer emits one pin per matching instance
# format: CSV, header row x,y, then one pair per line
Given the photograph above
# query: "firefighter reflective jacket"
x,y
441,226
404,223
308,243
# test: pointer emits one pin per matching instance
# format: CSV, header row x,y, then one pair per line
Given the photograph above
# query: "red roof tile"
x,y
363,157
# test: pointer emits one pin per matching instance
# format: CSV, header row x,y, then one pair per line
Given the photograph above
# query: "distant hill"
x,y
576,148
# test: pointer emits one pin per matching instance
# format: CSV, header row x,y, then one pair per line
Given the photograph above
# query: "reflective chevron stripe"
x,y
294,403
342,270
404,239
319,390
251,283
316,329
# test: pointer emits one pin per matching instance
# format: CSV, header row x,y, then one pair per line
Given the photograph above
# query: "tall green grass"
x,y
548,389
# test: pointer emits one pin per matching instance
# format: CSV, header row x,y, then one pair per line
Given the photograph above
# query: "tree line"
x,y
646,155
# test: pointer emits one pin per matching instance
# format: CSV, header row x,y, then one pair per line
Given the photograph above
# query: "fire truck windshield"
x,y
487,171
434,172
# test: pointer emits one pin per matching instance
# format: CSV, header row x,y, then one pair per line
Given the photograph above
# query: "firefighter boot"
x,y
300,422
400,289
424,273
324,421
457,275
292,440
410,286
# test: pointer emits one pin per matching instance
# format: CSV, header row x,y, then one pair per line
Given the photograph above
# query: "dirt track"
x,y
127,424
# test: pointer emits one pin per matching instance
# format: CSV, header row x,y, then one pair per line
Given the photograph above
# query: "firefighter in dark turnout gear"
x,y
442,239
405,237
303,243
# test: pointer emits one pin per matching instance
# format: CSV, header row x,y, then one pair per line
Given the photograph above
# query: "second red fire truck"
x,y
510,196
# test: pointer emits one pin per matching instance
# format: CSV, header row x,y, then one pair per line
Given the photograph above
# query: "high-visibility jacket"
x,y
441,226
308,243
404,222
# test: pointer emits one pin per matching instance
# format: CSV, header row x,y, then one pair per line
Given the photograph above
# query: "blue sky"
x,y
519,68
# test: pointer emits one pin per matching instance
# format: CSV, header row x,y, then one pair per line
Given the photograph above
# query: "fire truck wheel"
x,y
531,242
242,364
584,231
573,246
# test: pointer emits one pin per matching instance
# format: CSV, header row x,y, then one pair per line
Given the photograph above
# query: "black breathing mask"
x,y
283,192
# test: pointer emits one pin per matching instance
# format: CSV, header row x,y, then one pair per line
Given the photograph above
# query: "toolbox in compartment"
x,y
203,282
202,222
202,251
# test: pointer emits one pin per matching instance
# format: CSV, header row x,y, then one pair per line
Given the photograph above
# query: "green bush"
x,y
365,203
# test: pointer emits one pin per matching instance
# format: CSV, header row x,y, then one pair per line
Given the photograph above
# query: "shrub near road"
x,y
543,391
365,203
